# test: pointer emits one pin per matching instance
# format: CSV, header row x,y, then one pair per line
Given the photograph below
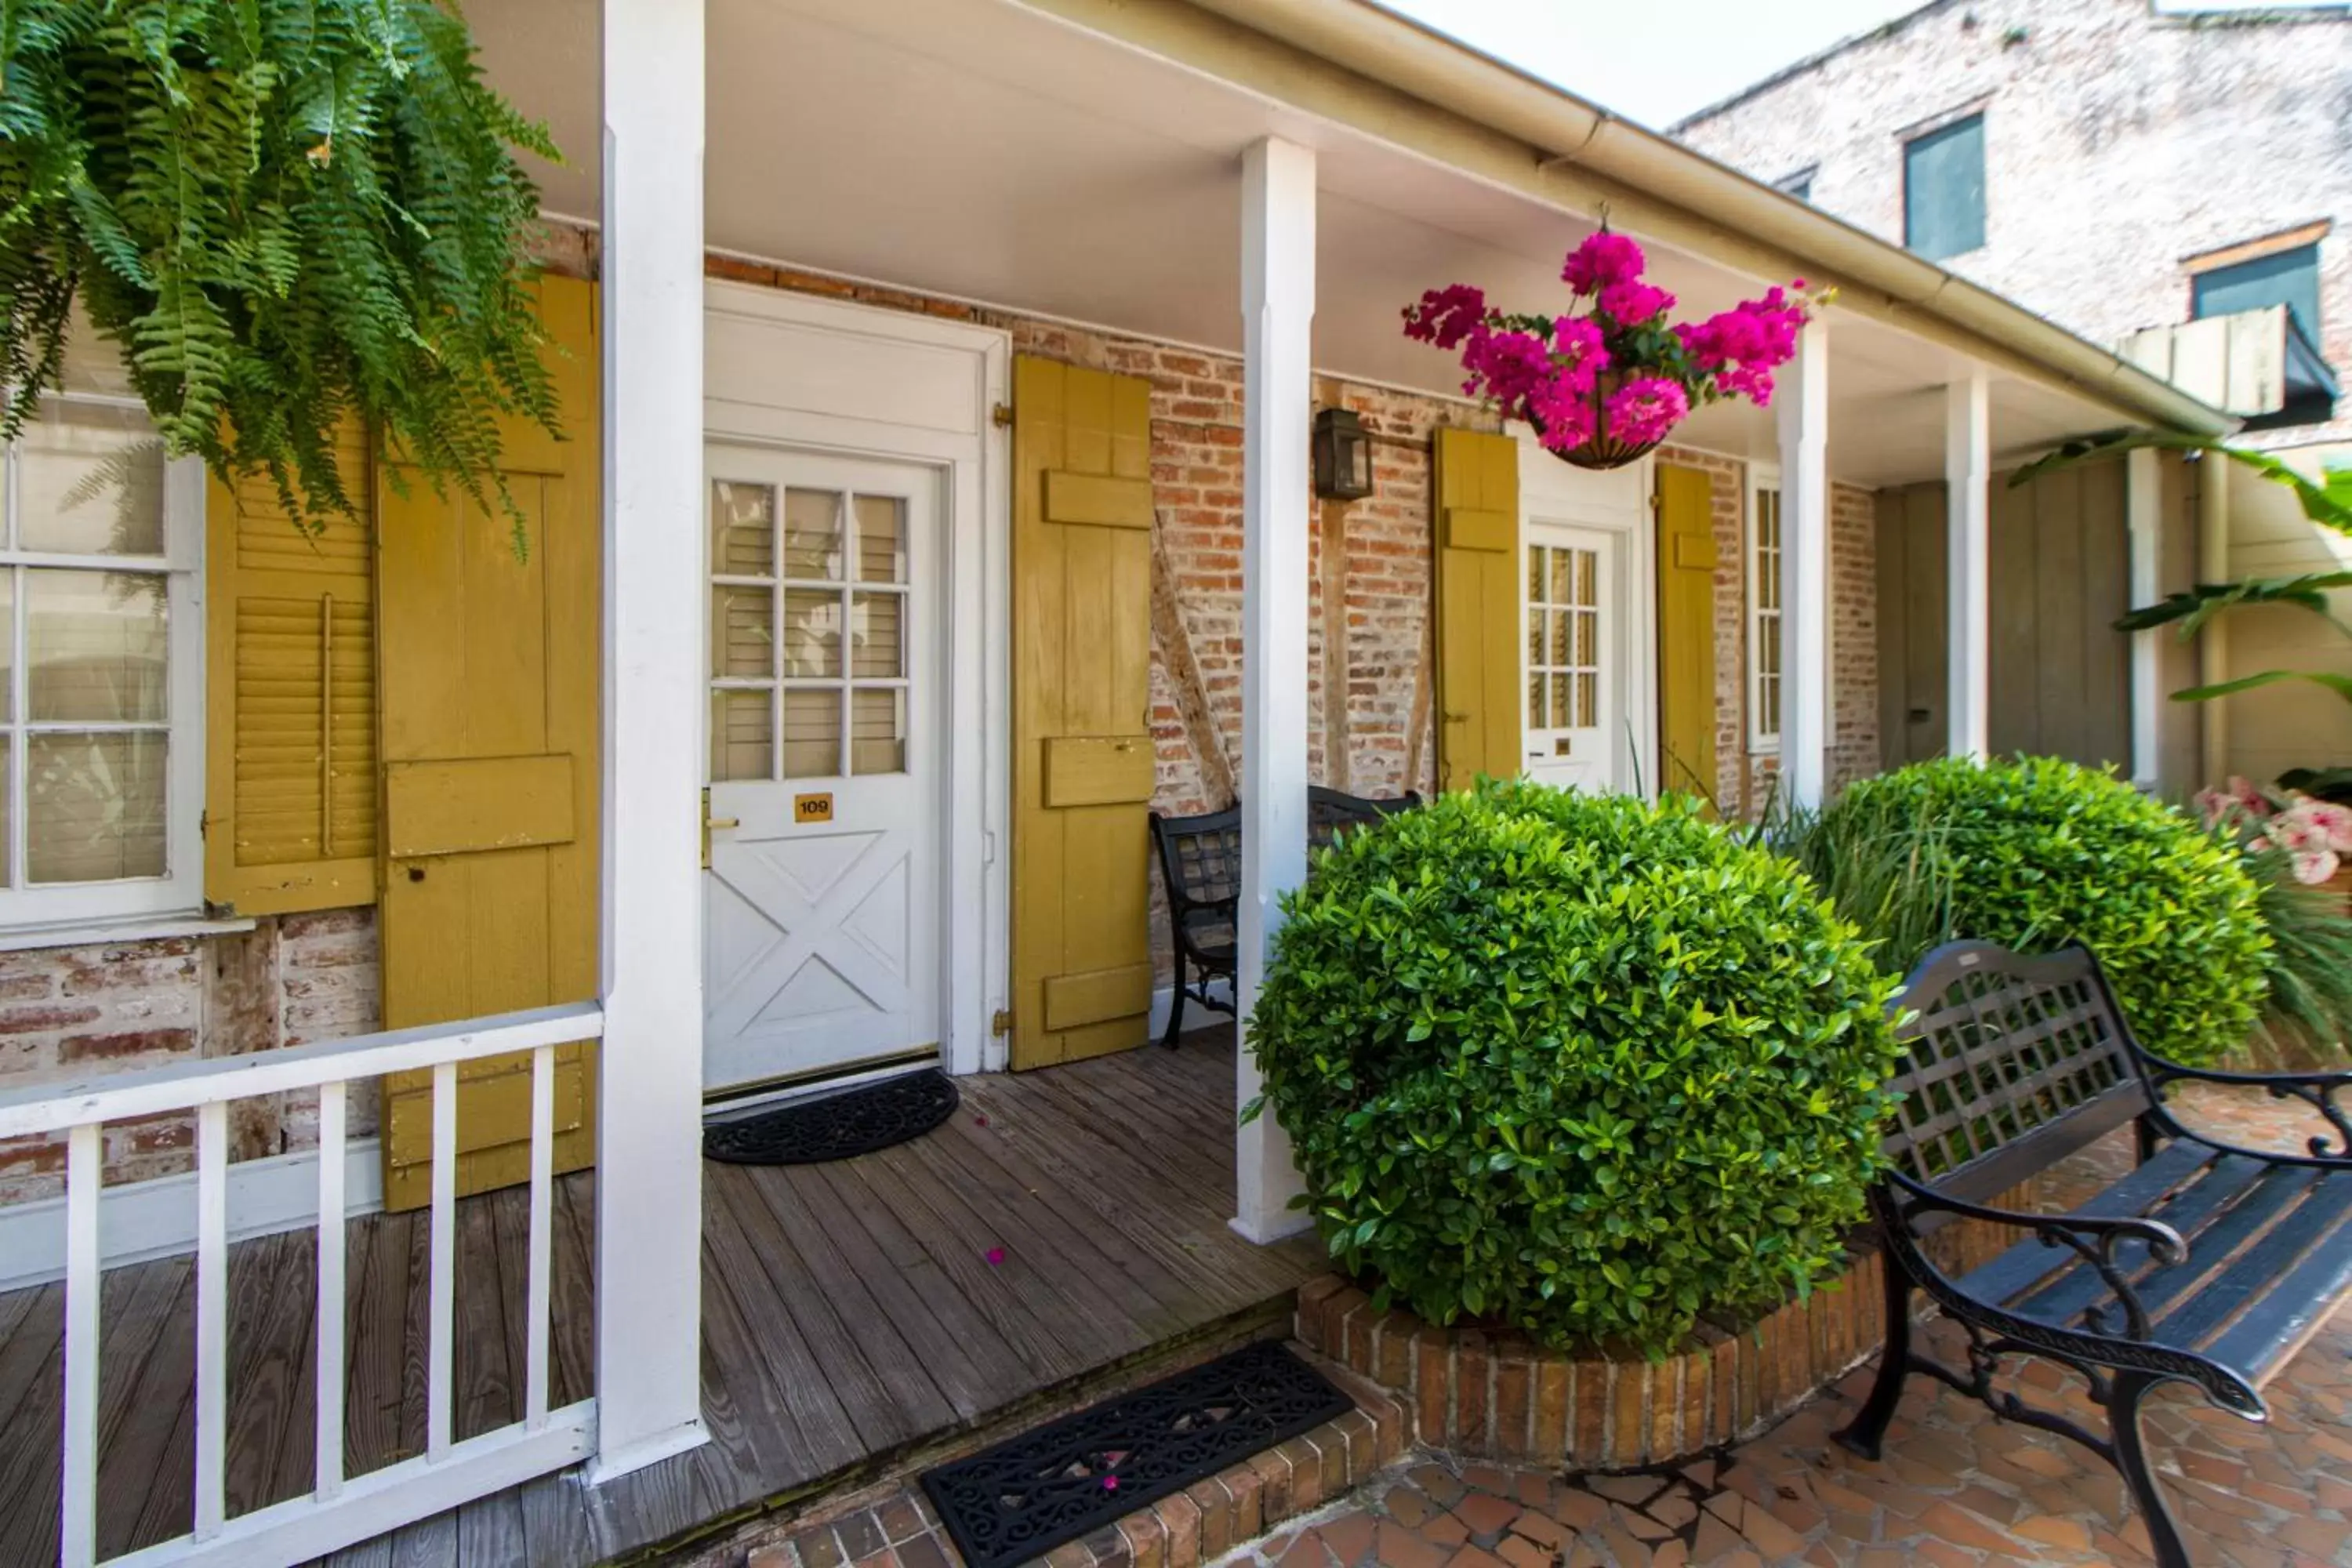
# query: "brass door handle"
x,y
709,822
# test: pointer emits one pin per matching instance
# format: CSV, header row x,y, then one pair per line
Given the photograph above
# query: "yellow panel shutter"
x,y
1478,572
1686,559
490,775
1081,756
290,722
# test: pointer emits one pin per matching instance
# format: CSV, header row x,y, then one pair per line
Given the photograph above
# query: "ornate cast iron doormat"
x,y
1026,1496
855,1122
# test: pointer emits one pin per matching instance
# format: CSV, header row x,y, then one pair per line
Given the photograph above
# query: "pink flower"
x,y
1505,366
1577,345
1629,302
1604,258
1110,1483
1446,316
1644,409
995,1256
2331,819
2314,866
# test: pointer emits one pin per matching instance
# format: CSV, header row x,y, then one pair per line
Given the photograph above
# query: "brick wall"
x,y
291,980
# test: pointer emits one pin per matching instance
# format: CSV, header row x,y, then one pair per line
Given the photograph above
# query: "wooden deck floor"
x,y
850,1312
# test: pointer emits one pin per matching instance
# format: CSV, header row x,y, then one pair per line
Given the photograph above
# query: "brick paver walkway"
x,y
1957,1488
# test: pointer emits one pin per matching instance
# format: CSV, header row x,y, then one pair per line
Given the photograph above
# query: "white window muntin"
x,y
1767,687
42,884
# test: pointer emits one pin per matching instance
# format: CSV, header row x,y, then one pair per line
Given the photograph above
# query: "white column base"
x,y
610,1464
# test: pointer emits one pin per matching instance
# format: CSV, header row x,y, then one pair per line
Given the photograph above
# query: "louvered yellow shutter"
x,y
1478,572
290,737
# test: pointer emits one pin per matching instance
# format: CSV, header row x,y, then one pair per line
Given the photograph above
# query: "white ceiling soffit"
x,y
975,150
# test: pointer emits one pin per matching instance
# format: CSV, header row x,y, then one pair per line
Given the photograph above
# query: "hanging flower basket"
x,y
1604,448
1603,388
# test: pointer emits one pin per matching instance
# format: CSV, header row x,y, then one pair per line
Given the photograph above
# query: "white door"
x,y
823,896
1575,661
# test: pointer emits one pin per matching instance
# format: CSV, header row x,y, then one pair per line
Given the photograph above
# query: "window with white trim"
x,y
101,648
1765,686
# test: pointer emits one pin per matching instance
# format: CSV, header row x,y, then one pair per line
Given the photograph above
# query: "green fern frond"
x,y
285,214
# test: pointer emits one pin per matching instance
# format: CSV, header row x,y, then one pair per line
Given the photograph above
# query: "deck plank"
x,y
908,1379
572,1299
488,1383
1153,1213
862,1394
995,1363
271,1403
1089,1276
154,1402
376,1359
819,1431
980,1288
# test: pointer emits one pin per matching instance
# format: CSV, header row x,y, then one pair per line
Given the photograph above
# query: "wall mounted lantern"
x,y
1343,456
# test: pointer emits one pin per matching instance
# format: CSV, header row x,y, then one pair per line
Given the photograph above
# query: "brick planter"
x,y
1501,1396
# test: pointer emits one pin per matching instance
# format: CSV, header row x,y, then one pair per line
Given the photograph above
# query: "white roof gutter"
x,y
1376,44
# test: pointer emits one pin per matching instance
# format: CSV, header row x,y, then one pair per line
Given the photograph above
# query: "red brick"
x,y
42,1020
133,1043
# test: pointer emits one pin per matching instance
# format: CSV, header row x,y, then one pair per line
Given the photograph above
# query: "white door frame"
x,y
793,370
1615,500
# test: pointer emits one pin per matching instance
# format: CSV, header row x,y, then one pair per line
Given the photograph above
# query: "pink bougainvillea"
x,y
1617,368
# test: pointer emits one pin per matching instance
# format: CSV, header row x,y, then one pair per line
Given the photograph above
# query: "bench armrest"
x,y
2316,1089
2093,1238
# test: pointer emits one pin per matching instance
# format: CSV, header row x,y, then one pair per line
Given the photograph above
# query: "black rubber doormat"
x,y
1027,1495
855,1122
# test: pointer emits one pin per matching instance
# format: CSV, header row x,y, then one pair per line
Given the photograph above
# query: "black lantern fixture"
x,y
1343,456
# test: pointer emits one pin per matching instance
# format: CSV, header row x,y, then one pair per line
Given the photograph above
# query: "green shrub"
x,y
2038,851
2307,1017
1579,1064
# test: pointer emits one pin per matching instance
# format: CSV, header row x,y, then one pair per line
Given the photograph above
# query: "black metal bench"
x,y
2210,1264
1201,865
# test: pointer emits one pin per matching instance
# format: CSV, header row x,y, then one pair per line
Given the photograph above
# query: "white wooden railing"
x,y
340,1509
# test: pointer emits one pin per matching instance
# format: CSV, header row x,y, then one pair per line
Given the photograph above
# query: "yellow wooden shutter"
x,y
290,722
1686,559
491,775
1083,767
1478,572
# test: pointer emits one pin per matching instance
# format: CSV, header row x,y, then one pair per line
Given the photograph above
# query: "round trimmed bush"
x,y
1579,1064
2035,852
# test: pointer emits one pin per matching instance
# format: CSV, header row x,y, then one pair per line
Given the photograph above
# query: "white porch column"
x,y
649,1070
1277,309
2144,524
1804,414
1968,549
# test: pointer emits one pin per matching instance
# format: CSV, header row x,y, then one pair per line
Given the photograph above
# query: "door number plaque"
x,y
813,807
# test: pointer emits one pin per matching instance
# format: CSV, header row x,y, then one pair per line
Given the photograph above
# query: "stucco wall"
x,y
2118,143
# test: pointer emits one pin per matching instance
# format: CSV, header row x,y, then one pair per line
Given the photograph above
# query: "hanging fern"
x,y
285,214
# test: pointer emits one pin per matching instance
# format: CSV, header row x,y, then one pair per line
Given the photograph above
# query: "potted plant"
x,y
1605,384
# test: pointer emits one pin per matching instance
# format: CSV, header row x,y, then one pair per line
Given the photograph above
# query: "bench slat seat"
x,y
2208,1264
2247,1225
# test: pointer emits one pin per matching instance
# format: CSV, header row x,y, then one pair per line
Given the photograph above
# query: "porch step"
x,y
895,1526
